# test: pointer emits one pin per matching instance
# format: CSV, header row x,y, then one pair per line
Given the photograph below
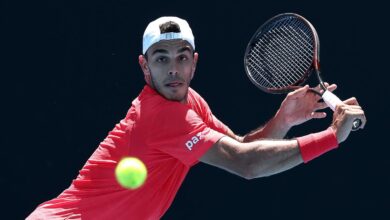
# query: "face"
x,y
170,68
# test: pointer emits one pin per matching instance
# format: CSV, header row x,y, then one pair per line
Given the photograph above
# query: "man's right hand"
x,y
344,116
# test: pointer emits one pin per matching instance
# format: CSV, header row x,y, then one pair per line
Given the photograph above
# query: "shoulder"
x,y
194,94
194,98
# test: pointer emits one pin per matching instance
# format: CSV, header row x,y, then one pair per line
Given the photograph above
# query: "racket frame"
x,y
330,99
314,65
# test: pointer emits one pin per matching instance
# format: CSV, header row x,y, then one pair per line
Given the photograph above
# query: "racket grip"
x,y
332,100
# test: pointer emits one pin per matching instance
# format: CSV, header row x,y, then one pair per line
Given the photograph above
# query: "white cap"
x,y
153,34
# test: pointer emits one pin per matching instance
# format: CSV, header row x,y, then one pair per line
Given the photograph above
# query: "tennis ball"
x,y
131,173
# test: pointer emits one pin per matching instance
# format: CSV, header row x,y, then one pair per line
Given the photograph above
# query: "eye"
x,y
161,59
183,58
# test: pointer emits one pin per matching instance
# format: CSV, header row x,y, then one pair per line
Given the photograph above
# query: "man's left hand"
x,y
302,105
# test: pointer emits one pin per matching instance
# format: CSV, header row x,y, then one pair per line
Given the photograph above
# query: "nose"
x,y
173,69
173,72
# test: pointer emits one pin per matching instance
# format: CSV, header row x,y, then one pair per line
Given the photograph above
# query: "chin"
x,y
177,97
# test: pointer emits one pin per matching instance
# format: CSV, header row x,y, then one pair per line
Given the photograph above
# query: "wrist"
x,y
283,121
316,144
334,128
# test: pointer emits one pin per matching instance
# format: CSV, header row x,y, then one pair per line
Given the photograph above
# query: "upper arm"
x,y
226,154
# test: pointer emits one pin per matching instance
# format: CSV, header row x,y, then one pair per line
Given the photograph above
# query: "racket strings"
x,y
303,40
282,54
258,54
298,39
265,78
292,42
302,61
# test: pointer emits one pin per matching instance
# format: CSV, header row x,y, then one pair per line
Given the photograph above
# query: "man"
x,y
170,128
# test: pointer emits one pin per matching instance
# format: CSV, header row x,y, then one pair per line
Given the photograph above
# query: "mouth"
x,y
174,84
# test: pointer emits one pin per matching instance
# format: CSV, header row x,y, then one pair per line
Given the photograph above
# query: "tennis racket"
x,y
283,53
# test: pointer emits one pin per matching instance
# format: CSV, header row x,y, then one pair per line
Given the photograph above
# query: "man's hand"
x,y
344,116
302,105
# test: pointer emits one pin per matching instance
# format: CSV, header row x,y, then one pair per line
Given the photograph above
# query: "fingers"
x,y
349,108
351,101
354,114
320,106
331,87
298,92
351,113
317,115
319,91
352,107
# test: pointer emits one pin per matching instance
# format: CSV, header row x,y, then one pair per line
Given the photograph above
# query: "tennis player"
x,y
170,127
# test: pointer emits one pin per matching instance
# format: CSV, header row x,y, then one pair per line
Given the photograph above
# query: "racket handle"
x,y
332,100
356,124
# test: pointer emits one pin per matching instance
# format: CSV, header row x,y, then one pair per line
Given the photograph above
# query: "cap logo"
x,y
170,36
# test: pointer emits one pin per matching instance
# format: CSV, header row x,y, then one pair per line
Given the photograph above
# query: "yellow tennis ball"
x,y
131,173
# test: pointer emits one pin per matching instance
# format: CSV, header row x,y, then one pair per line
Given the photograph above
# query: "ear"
x,y
143,64
145,68
196,56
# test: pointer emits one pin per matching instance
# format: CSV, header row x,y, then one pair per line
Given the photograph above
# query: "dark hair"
x,y
169,26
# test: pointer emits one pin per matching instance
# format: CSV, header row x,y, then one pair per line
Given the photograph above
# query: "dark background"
x,y
70,70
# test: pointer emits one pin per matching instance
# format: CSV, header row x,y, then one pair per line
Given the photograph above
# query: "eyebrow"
x,y
181,50
186,48
159,51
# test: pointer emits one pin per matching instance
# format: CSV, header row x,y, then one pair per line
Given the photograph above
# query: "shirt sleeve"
x,y
212,121
217,125
180,132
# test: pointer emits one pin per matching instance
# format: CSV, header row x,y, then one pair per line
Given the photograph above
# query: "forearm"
x,y
255,159
268,157
275,128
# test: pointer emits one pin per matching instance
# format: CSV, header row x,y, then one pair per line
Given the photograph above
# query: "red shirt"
x,y
169,137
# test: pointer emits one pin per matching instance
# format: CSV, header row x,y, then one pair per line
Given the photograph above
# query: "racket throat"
x,y
318,74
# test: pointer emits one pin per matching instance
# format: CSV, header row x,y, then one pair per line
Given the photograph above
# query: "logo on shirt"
x,y
194,140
